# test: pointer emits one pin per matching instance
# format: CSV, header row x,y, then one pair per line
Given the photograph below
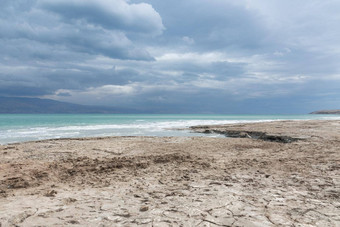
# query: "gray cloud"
x,y
212,25
77,34
185,55
110,14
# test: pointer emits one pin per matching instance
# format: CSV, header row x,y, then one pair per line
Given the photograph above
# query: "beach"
x,y
263,174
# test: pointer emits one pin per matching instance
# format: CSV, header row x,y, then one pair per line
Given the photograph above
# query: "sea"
x,y
32,127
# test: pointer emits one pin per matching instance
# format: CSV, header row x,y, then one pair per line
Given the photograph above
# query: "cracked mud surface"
x,y
199,181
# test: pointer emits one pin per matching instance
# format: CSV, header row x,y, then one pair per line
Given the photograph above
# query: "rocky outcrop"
x,y
245,134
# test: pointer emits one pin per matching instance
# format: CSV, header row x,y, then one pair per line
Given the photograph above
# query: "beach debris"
x,y
73,222
51,193
144,208
15,183
9,148
69,200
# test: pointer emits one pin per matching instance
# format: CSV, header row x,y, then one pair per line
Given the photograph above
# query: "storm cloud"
x,y
174,56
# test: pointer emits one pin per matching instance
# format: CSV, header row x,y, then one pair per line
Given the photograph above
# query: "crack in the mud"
x,y
211,222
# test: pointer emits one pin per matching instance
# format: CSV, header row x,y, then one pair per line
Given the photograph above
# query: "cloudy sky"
x,y
178,56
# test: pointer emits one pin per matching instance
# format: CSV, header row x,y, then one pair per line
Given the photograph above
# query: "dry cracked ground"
x,y
290,179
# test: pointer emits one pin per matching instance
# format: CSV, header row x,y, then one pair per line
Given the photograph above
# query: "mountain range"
x,y
18,105
326,112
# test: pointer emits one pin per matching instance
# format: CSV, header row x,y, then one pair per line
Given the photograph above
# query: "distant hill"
x,y
47,106
326,112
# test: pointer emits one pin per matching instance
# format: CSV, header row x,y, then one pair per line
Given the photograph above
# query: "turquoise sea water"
x,y
28,127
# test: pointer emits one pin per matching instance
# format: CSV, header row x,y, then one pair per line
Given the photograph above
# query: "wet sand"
x,y
283,173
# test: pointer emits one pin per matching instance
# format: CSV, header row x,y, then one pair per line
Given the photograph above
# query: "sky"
x,y
178,56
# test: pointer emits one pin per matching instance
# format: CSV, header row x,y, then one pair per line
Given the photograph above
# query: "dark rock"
x,y
144,208
246,134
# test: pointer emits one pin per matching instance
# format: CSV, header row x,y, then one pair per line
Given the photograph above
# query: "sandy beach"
x,y
284,173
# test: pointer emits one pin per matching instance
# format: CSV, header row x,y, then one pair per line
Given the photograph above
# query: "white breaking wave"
x,y
138,128
151,125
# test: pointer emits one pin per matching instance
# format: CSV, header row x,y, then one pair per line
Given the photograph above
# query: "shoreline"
x,y
162,181
191,129
162,128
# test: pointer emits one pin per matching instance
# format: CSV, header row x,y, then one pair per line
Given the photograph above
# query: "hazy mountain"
x,y
326,112
36,105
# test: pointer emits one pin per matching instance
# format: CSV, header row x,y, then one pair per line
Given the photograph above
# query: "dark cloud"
x,y
39,28
212,25
181,55
110,14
